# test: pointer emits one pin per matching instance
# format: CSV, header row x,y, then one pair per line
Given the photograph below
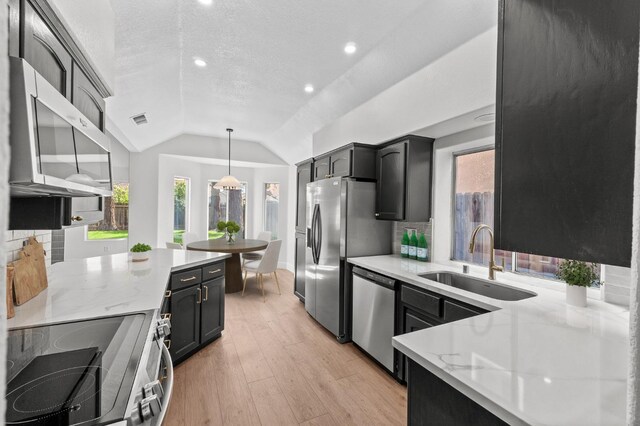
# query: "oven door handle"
x,y
168,388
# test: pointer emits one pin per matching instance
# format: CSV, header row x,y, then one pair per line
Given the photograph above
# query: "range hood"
x,y
55,150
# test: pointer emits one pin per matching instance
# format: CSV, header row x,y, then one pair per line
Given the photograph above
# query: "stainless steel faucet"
x,y
492,257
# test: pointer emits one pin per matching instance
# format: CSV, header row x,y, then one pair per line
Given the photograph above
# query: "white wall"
x,y
93,25
459,82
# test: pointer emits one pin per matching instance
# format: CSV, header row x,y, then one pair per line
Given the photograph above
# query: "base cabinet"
x,y
431,401
301,264
195,308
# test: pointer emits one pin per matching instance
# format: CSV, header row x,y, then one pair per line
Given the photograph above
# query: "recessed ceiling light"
x,y
350,48
308,88
486,118
206,2
199,62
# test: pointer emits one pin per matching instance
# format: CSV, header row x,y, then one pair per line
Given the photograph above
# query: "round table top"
x,y
221,245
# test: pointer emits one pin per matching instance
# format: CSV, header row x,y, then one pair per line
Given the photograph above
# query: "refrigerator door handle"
x,y
313,245
319,237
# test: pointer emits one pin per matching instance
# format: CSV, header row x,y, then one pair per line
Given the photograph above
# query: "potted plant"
x,y
578,276
140,252
230,229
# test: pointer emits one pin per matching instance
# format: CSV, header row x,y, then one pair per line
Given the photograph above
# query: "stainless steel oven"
x,y
55,150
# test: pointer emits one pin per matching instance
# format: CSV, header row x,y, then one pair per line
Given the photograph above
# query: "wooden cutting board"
x,y
10,311
30,272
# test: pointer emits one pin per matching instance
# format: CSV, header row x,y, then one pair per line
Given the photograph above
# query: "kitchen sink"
x,y
479,286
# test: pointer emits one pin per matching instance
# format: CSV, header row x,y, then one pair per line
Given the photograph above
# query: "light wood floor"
x,y
274,365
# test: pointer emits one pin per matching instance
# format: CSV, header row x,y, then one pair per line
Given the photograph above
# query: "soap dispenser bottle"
x,y
404,244
423,252
413,245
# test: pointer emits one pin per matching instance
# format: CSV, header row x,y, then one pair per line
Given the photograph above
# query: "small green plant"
x,y
576,272
140,248
231,227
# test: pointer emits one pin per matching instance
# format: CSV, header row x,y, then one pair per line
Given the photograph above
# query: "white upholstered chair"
x,y
267,265
189,237
257,255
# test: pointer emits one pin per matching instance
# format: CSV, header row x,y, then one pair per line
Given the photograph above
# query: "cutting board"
x,y
10,311
30,272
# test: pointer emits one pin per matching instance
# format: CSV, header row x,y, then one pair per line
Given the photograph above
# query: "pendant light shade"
x,y
228,182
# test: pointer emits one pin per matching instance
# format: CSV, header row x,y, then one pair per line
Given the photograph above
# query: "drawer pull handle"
x,y
185,280
167,294
206,292
199,296
215,272
167,343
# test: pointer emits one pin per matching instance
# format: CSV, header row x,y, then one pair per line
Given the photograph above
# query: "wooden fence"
x,y
472,209
122,216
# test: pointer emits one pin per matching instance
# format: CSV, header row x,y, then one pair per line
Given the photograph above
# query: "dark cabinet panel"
x,y
341,163
301,253
186,279
422,300
403,172
303,178
45,53
321,168
432,401
185,321
565,128
14,27
391,167
455,312
212,322
87,99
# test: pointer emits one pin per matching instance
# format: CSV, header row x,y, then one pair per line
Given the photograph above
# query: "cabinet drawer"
x,y
186,279
211,272
455,312
421,300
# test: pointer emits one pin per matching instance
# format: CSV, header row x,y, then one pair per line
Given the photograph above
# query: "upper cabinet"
x,y
45,53
14,27
565,128
302,179
403,172
86,98
353,160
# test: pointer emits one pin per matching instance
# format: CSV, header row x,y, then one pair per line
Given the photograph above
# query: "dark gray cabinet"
x,y
353,160
14,27
185,321
304,176
212,309
432,401
195,306
565,128
46,54
300,260
403,179
87,99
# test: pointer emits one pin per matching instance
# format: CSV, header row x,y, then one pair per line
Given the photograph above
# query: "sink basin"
x,y
479,286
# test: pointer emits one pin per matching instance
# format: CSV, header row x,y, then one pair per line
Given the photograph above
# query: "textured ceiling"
x,y
260,54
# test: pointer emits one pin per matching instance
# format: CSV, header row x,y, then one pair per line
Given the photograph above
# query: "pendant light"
x,y
228,182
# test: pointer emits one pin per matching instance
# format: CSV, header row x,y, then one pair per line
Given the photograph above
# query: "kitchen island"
x,y
534,361
106,286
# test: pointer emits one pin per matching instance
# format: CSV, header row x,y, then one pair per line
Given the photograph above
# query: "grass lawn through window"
x,y
113,235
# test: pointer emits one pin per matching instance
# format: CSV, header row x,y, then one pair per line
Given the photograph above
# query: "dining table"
x,y
232,267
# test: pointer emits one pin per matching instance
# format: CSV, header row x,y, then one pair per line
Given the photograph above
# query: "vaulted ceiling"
x,y
260,55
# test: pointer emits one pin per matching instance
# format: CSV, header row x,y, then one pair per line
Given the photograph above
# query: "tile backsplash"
x,y
399,227
16,239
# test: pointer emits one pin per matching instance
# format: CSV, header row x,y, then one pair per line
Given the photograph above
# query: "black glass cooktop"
x,y
74,373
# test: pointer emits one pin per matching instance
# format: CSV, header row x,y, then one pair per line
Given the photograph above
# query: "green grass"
x,y
177,235
107,235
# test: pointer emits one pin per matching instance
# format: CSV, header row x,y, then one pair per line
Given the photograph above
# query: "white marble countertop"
x,y
534,361
106,285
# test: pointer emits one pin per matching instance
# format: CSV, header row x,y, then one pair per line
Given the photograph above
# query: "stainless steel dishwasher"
x,y
374,300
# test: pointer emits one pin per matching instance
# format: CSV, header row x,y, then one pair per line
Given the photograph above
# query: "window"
x,y
180,208
271,203
473,204
115,224
227,205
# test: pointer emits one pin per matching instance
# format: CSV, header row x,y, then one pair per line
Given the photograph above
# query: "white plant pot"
x,y
140,257
576,295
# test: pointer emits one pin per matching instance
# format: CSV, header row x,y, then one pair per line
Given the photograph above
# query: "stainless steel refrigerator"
x,y
341,223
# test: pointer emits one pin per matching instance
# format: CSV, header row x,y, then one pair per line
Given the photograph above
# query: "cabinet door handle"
x,y
77,218
184,280
206,292
377,214
327,176
215,272
199,296
167,294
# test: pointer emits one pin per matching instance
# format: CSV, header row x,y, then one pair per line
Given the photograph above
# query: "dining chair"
x,y
189,237
257,255
267,265
176,246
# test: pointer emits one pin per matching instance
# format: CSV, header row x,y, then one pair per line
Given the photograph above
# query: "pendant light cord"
x,y
229,130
